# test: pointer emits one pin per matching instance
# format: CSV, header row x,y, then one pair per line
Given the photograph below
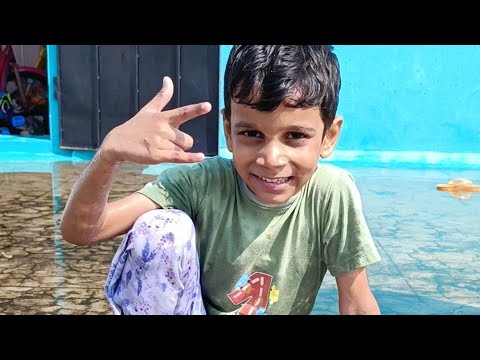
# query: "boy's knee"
x,y
166,216
161,229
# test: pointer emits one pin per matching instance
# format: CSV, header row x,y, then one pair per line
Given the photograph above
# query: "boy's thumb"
x,y
165,94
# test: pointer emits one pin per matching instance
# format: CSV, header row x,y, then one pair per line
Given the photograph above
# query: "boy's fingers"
x,y
182,139
175,137
163,97
165,144
185,113
180,156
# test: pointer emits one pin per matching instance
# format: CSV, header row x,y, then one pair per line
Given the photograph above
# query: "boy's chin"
x,y
275,200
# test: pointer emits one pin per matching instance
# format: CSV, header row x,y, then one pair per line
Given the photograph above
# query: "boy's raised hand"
x,y
152,135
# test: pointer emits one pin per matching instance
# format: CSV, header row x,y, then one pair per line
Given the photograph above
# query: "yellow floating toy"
x,y
460,188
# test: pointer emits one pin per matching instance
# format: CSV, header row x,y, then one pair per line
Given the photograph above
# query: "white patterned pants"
x,y
156,268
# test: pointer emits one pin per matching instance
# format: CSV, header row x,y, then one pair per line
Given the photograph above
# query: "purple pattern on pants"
x,y
156,269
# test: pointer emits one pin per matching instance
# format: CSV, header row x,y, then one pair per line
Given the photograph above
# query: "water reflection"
x,y
46,275
429,242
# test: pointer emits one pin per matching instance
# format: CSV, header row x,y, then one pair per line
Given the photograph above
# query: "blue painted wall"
x,y
224,52
407,98
417,98
411,105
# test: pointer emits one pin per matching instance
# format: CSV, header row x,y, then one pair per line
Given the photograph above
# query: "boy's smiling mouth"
x,y
277,184
277,180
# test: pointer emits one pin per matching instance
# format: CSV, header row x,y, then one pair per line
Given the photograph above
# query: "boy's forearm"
x,y
82,217
367,306
354,294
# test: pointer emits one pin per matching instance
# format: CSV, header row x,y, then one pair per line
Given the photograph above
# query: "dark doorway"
x,y
102,86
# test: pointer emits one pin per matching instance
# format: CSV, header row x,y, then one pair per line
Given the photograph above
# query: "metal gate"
x,y
102,86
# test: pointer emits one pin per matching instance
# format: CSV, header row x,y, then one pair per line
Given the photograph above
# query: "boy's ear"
x,y
227,129
331,137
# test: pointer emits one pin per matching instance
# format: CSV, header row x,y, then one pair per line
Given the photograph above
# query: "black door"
x,y
102,86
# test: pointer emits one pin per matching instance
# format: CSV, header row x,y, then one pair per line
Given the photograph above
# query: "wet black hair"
x,y
298,76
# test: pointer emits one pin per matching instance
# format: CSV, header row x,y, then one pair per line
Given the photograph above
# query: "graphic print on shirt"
x,y
254,291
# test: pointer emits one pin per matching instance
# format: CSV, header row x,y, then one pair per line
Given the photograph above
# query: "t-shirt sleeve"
x,y
180,187
347,241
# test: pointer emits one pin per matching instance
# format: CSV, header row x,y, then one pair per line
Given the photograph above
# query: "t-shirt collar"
x,y
249,194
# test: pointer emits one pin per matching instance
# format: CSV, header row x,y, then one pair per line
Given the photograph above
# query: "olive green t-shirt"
x,y
257,259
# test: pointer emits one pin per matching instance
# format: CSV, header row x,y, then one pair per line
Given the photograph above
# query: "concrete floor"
x,y
429,242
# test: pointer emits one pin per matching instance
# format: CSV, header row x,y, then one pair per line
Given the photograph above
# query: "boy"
x,y
251,235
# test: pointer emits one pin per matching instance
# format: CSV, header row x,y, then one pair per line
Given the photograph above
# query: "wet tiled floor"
x,y
46,275
429,242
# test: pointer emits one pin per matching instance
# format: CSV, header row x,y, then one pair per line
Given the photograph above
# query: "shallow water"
x,y
429,242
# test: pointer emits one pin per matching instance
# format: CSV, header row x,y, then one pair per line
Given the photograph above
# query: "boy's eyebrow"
x,y
242,124
302,129
296,128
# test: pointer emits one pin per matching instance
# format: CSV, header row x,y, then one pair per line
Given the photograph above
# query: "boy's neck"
x,y
257,201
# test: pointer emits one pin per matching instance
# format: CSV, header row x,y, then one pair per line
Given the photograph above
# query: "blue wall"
x,y
415,105
420,100
224,51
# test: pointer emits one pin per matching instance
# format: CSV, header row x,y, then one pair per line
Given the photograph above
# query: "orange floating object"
x,y
460,188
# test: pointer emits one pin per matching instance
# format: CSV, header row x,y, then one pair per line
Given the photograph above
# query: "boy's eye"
x,y
295,136
250,133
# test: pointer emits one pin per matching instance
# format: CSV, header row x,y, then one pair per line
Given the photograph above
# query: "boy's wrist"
x,y
107,157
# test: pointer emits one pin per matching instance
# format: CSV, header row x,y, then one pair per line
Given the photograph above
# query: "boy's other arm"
x,y
152,136
88,218
354,294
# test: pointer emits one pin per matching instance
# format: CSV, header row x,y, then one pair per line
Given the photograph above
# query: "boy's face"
x,y
277,152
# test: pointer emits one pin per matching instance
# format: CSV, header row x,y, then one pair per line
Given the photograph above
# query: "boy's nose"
x,y
272,155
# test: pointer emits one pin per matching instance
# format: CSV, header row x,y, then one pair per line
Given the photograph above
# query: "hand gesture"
x,y
152,135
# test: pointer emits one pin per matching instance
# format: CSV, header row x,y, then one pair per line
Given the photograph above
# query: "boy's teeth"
x,y
276,180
